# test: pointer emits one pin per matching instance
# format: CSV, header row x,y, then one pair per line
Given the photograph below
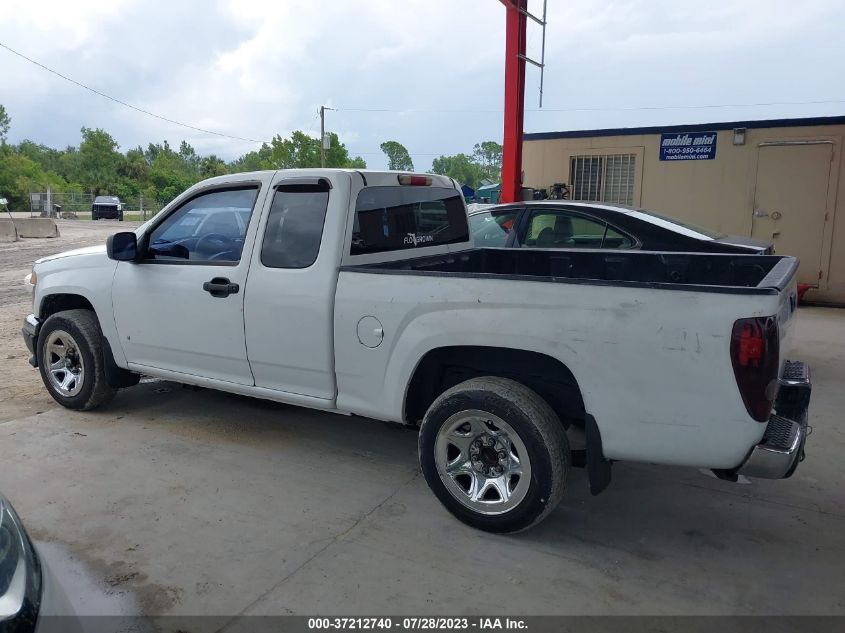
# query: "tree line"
x,y
160,172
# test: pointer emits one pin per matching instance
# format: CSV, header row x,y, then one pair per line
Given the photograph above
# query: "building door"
x,y
790,202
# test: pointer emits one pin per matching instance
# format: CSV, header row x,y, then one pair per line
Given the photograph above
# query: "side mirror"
x,y
122,246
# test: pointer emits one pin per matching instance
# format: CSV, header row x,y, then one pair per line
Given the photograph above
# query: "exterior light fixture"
x,y
739,136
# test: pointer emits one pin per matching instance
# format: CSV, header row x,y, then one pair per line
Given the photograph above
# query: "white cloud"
x,y
255,68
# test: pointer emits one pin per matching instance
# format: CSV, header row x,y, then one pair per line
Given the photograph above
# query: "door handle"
x,y
759,213
220,287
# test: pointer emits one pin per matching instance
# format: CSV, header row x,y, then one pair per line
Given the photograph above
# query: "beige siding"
x,y
717,193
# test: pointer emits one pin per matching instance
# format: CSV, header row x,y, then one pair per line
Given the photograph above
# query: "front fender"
x,y
87,276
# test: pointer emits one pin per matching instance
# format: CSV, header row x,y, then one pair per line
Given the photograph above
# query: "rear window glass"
x,y
399,218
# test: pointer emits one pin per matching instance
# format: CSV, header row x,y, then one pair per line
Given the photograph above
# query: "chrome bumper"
x,y
782,447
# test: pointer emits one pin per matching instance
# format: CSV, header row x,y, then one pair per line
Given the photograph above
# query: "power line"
x,y
123,103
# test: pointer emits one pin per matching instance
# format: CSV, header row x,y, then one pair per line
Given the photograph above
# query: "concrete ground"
x,y
173,501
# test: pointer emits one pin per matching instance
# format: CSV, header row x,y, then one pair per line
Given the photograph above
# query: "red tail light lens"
x,y
754,355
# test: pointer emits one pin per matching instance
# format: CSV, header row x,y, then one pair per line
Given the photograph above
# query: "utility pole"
x,y
324,145
322,136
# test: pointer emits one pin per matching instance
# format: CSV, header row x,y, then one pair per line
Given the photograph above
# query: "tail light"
x,y
754,355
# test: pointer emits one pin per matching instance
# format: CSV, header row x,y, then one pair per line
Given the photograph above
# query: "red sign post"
x,y
515,34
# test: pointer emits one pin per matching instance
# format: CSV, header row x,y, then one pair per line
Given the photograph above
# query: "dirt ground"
x,y
182,502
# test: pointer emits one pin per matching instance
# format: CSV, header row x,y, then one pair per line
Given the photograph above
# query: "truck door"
x,y
289,301
180,309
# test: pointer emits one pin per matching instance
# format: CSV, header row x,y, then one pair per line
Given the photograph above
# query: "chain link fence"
x,y
72,205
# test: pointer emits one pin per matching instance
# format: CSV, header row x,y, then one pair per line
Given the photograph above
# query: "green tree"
x,y
158,173
135,166
302,151
47,157
460,167
212,166
252,161
5,122
20,176
488,156
170,172
99,159
398,157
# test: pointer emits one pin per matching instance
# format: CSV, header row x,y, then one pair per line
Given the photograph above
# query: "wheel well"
x,y
59,302
443,368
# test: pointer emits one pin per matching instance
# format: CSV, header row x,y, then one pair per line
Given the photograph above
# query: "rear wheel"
x,y
70,358
495,454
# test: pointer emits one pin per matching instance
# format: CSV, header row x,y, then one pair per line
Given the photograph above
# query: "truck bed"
x,y
703,272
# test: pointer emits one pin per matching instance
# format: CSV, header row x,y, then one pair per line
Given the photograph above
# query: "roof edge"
x,y
695,127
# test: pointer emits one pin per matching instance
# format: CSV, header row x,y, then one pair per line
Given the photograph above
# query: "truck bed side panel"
x,y
653,365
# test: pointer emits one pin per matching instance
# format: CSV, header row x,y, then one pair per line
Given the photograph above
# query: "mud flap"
x,y
117,377
598,468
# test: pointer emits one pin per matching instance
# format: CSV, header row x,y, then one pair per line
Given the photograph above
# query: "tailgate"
x,y
783,278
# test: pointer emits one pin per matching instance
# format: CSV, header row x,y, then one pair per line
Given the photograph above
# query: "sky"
x,y
426,73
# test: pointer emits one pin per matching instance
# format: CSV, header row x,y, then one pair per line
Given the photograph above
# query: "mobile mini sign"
x,y
688,146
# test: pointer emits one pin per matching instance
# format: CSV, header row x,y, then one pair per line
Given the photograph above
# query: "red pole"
x,y
515,28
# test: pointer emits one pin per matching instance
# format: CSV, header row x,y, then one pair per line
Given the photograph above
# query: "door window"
x,y
491,228
295,226
208,228
558,229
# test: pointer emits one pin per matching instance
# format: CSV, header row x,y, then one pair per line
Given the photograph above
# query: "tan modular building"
x,y
781,181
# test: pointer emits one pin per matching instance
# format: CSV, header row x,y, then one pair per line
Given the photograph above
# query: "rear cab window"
x,y
407,217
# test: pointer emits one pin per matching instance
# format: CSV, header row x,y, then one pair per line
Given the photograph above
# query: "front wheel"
x,y
495,454
70,358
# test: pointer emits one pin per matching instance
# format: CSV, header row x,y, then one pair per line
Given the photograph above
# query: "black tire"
x,y
83,327
536,425
120,217
94,217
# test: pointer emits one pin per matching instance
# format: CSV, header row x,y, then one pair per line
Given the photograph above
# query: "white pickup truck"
x,y
360,292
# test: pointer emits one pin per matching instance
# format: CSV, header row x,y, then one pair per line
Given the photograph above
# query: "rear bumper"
x,y
782,447
30,330
107,213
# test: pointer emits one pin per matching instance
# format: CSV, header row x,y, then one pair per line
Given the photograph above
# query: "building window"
x,y
604,178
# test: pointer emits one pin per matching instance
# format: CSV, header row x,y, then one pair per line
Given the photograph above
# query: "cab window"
x,y
295,225
208,228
